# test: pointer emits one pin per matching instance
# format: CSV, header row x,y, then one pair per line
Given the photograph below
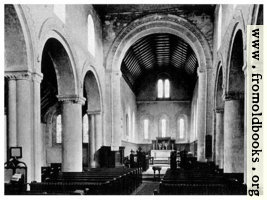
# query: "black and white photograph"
x,y
131,99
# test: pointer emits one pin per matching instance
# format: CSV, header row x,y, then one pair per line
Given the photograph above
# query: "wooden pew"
x,y
198,181
95,181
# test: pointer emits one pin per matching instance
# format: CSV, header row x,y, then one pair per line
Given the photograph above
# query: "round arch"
x,y
51,29
159,23
234,121
21,45
92,92
236,25
219,82
63,67
90,69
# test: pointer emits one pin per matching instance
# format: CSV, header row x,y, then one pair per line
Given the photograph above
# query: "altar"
x,y
161,155
161,149
163,143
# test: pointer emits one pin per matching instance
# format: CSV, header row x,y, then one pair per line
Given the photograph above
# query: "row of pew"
x,y
199,181
98,181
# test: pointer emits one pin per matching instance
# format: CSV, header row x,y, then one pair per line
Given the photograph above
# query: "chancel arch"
x,y
105,97
162,24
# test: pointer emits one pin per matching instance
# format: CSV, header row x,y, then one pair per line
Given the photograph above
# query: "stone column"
x,y
98,136
234,133
116,111
201,116
12,112
219,138
72,133
98,129
25,121
37,133
92,128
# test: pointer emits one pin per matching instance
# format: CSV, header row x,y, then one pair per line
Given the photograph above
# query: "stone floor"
x,y
150,184
147,188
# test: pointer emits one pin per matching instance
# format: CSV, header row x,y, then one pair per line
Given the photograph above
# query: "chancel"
x,y
126,99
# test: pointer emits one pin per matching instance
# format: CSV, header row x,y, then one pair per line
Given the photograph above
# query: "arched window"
x,y
60,11
91,35
58,129
181,128
219,29
163,127
146,128
133,128
160,88
166,88
85,129
163,88
127,125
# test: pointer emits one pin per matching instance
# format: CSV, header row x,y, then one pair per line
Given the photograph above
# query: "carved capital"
x,y
72,99
95,112
18,75
37,77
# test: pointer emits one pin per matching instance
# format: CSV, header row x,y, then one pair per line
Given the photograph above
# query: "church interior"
x,y
126,99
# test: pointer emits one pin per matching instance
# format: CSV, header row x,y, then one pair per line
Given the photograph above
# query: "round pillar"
x,y
72,134
37,136
12,113
201,116
92,128
219,138
98,128
234,134
25,121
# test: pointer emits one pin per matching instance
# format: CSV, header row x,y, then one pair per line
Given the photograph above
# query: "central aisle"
x,y
150,184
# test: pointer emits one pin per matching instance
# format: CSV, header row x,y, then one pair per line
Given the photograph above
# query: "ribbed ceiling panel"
x,y
158,52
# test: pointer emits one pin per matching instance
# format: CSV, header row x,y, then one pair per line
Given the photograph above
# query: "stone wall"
x,y
129,108
148,106
114,22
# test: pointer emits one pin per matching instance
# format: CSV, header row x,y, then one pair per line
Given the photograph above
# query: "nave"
x,y
97,97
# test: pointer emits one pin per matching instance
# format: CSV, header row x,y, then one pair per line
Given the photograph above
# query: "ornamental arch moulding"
x,y
159,23
53,29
